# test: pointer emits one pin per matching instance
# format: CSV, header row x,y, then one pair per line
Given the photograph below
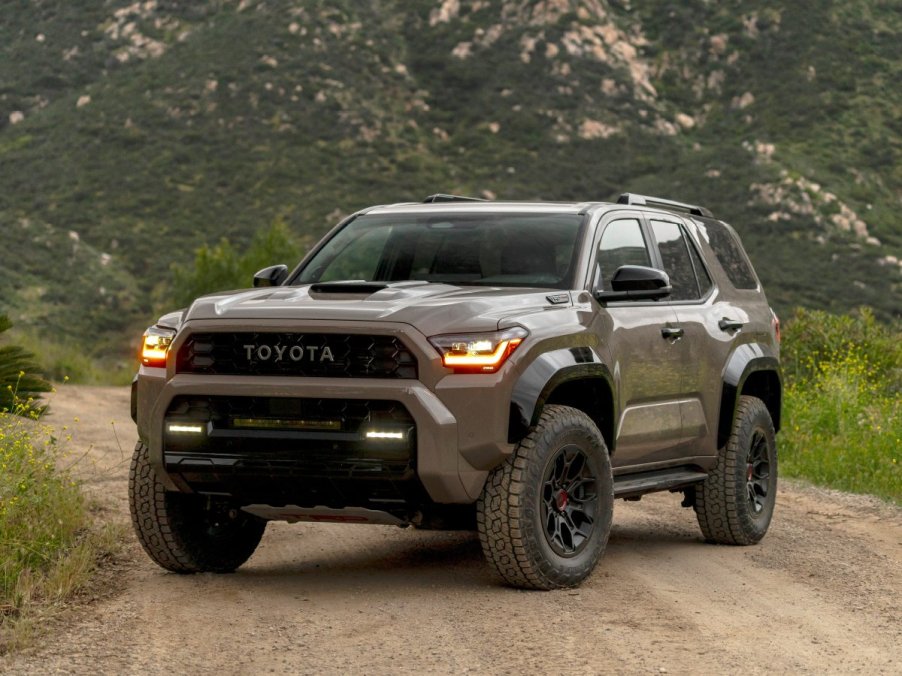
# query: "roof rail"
x,y
442,197
632,198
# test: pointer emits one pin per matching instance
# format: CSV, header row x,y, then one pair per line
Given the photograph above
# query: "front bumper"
x,y
442,463
461,421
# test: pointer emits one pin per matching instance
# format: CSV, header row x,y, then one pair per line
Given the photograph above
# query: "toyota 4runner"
x,y
511,367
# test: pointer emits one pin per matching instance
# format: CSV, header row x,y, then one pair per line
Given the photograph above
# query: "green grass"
x,y
48,544
64,361
843,405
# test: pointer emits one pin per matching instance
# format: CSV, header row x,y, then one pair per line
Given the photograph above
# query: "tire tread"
x,y
161,521
507,540
720,505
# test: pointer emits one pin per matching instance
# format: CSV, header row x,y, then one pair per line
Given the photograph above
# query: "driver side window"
x,y
622,243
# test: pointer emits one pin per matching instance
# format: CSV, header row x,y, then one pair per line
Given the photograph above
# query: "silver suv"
x,y
506,366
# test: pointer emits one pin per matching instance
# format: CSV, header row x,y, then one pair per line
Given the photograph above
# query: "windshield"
x,y
533,250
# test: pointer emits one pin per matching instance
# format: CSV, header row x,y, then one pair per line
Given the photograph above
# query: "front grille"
x,y
331,355
308,452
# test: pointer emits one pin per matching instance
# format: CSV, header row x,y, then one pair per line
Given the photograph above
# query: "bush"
x,y
813,337
843,403
46,548
20,386
221,267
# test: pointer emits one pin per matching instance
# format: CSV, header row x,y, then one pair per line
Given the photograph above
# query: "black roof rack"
x,y
442,197
632,198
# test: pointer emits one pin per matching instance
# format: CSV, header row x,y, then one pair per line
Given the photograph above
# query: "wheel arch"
x,y
755,371
574,377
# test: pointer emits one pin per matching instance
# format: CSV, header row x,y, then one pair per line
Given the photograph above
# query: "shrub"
x,y
20,384
843,403
221,267
46,548
813,337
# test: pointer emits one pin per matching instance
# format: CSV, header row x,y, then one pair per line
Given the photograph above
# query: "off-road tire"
x,y
513,511
178,531
724,505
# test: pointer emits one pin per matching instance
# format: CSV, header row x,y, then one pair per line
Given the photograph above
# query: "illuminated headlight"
x,y
478,352
155,346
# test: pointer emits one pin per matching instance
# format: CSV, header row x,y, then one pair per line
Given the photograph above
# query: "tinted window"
x,y
359,260
677,261
464,249
729,253
621,244
704,280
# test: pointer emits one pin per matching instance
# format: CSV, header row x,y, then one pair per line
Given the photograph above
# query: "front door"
x,y
645,352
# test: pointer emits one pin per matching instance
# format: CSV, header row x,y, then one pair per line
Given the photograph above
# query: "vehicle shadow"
x,y
397,558
347,557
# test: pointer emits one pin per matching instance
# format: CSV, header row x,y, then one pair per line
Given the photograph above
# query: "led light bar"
x,y
379,434
286,424
185,428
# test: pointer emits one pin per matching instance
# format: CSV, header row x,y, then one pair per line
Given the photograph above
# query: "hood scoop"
x,y
359,290
356,288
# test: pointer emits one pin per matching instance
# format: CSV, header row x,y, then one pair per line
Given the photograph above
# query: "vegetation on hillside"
x,y
172,125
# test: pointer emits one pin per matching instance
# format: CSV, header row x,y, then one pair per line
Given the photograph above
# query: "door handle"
x,y
726,324
671,332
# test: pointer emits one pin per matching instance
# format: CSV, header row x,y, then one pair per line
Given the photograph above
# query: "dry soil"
x,y
822,593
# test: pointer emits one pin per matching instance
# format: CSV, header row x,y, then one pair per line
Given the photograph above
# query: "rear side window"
x,y
730,254
677,259
704,279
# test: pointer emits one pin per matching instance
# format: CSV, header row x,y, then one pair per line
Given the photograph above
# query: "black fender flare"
x,y
547,372
746,360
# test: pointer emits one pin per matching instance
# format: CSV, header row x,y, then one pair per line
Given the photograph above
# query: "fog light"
x,y
379,434
183,428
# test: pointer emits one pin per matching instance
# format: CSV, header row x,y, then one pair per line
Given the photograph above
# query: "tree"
x,y
221,267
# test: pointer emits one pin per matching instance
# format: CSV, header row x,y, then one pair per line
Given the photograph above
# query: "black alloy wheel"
x,y
569,501
758,472
544,515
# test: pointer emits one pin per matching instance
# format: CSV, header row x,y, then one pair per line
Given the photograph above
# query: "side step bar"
x,y
628,485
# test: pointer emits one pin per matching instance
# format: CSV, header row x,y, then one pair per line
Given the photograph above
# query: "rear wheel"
x,y
544,515
736,502
187,533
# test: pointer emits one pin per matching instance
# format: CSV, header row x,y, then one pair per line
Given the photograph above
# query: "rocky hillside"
x,y
131,133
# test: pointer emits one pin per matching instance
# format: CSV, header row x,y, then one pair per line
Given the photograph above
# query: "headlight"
x,y
155,346
478,352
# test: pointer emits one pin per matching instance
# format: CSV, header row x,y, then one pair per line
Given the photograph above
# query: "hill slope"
x,y
134,132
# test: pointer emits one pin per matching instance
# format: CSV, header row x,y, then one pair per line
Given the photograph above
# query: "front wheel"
x,y
544,515
182,532
735,504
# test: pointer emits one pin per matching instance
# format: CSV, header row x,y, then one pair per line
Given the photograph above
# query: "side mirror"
x,y
636,282
271,276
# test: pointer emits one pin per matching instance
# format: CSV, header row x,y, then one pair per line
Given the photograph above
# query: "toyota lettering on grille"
x,y
296,353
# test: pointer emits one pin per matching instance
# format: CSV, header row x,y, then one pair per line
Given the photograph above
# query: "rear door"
x,y
695,301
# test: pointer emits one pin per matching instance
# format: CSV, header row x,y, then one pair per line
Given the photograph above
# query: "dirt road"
x,y
821,594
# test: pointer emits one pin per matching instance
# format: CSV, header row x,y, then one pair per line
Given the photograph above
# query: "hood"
x,y
431,308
